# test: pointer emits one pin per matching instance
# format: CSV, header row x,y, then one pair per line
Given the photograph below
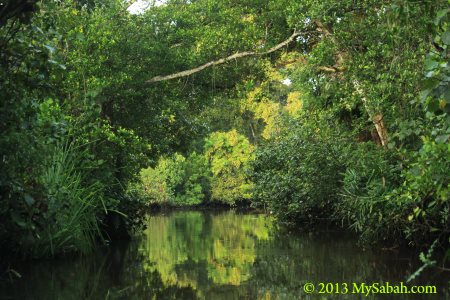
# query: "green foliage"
x,y
49,195
426,186
75,72
298,175
68,222
435,95
17,9
368,63
229,155
426,179
155,185
175,180
22,81
152,187
219,174
366,202
194,187
426,261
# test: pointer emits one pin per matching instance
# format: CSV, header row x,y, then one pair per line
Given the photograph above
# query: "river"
x,y
220,255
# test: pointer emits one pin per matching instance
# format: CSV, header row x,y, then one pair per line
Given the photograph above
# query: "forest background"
x,y
319,110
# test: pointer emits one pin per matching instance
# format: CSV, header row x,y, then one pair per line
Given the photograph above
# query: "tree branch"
x,y
327,69
226,59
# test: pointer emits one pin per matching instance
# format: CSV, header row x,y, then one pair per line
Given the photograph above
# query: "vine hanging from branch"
x,y
226,59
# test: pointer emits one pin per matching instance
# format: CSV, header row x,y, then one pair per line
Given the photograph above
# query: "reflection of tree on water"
x,y
285,263
194,255
204,251
116,274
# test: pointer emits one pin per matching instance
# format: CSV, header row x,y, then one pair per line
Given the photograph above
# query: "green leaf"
x,y
430,63
429,74
80,37
54,62
433,106
417,211
50,48
15,273
18,220
446,37
423,95
29,200
429,83
442,138
415,171
440,14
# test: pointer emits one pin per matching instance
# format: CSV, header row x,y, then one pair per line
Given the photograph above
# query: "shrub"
x,y
219,174
229,155
298,175
365,204
194,187
70,212
174,180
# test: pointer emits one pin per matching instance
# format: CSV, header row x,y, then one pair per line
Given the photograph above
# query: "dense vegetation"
x,y
347,121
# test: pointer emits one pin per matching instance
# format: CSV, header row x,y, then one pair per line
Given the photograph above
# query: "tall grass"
x,y
71,223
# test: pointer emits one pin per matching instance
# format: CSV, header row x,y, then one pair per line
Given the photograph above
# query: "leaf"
x,y
440,14
29,200
431,204
424,94
415,171
417,212
433,106
429,74
422,257
80,37
50,48
18,220
429,83
15,273
54,62
442,138
446,37
430,63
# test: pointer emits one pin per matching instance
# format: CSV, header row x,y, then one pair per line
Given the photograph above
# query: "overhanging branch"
x,y
224,60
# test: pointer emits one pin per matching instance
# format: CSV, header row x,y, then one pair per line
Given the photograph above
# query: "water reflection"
x,y
202,250
207,255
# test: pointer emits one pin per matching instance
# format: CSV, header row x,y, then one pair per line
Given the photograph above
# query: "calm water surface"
x,y
217,255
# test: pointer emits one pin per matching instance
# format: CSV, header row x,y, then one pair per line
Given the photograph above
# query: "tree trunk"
x,y
376,117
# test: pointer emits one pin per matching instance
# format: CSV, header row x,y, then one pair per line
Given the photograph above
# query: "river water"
x,y
221,255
